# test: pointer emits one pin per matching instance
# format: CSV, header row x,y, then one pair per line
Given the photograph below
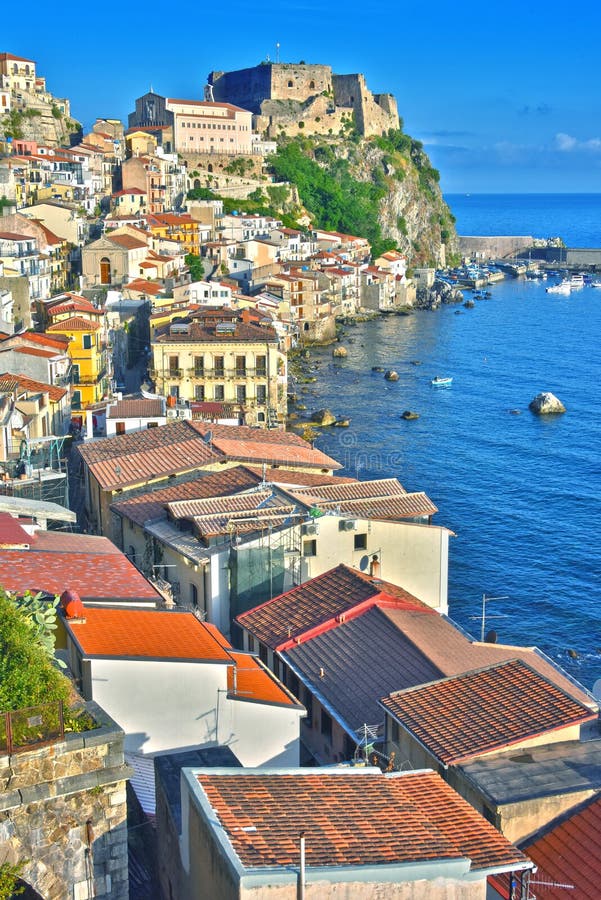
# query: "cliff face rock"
x,y
412,212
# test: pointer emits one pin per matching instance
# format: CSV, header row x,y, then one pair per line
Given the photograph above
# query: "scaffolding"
x,y
36,471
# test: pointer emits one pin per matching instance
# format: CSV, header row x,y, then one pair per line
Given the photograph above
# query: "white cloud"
x,y
567,144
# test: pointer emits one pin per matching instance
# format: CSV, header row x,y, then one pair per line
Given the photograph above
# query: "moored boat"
x,y
442,381
564,287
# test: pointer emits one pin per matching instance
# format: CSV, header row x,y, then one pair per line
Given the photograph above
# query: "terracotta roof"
x,y
197,333
144,287
28,384
12,533
146,634
18,58
152,505
352,818
287,477
312,607
478,712
380,499
36,351
126,241
210,506
145,455
12,236
92,566
39,337
74,303
250,680
569,853
274,447
454,652
243,522
132,190
136,409
75,323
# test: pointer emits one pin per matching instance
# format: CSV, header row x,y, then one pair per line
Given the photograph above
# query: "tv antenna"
x,y
482,617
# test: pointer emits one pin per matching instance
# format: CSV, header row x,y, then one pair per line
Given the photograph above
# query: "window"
x,y
75,373
361,542
199,366
173,365
219,392
262,366
87,342
240,365
241,393
219,366
326,725
174,391
194,595
199,392
310,548
261,394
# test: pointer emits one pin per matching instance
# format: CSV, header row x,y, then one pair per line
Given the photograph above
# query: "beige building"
x,y
18,72
210,355
204,127
307,296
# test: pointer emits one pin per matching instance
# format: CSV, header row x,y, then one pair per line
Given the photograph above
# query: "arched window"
x,y
290,84
210,167
105,270
312,85
196,183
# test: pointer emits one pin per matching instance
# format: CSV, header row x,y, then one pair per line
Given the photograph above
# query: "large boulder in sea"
x,y
391,375
323,417
339,352
545,404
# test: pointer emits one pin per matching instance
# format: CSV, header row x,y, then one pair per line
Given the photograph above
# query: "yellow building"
x,y
173,227
211,356
89,358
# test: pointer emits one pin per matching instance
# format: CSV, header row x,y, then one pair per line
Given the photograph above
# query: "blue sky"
x,y
505,97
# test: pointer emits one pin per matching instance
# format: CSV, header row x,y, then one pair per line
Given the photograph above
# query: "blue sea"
x,y
521,493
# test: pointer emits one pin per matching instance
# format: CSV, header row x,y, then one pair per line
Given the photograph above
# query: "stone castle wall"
x,y
63,813
283,93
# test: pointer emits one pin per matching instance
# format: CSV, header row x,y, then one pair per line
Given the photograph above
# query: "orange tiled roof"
x,y
352,818
569,853
126,241
28,384
75,323
467,715
250,680
40,337
307,479
36,351
307,609
148,634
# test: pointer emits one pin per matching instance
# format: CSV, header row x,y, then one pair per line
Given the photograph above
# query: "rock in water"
x,y
545,404
323,417
409,414
391,375
339,352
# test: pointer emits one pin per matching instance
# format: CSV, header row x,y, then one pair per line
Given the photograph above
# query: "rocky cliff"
x,y
383,188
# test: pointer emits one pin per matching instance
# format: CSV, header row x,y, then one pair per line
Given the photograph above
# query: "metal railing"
x,y
34,726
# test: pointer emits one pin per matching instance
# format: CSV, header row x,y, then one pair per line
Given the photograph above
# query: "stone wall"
x,y
287,92
63,813
374,114
493,247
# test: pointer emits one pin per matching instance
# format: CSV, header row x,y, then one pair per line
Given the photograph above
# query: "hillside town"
x,y
228,668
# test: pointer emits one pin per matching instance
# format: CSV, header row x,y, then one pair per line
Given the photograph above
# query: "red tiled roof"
x,y
309,479
352,818
275,447
36,351
144,287
92,566
478,712
12,533
136,409
75,323
12,236
569,853
39,337
28,384
146,455
381,487
126,241
313,606
213,484
250,680
74,303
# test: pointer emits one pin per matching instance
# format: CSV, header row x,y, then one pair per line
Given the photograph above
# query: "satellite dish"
x,y
597,690
491,637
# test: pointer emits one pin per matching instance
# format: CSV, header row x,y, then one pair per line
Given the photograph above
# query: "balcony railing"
x,y
248,372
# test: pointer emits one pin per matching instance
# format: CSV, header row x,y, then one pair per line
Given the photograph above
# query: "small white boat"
x,y
596,284
440,381
564,287
576,282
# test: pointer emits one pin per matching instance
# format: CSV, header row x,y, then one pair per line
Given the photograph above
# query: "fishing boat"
x,y
442,381
576,282
596,284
